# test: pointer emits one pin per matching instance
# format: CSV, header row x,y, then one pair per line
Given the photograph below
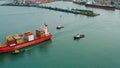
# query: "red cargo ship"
x,y
100,6
15,41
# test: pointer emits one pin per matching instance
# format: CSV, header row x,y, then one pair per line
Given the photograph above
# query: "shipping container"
x,y
18,38
0,44
40,36
40,33
10,40
19,41
27,33
29,36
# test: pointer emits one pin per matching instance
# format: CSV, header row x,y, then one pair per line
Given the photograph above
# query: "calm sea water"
x,y
99,49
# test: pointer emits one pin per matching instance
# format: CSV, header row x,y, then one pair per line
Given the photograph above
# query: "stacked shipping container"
x,y
10,40
17,38
14,39
29,36
40,33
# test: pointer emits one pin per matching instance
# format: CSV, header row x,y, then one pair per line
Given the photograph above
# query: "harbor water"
x,y
99,49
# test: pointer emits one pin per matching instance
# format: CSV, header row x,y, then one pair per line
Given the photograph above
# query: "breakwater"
x,y
73,11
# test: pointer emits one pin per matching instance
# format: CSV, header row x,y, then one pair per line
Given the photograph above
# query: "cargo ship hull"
x,y
100,6
24,44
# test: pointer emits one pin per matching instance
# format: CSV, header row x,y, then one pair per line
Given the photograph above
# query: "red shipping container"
x,y
28,33
10,40
40,33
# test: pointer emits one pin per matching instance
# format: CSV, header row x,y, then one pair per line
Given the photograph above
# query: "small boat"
x,y
80,2
78,36
17,51
59,27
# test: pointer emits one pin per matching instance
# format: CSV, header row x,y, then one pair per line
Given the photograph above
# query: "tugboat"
x,y
78,36
59,27
17,51
80,2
